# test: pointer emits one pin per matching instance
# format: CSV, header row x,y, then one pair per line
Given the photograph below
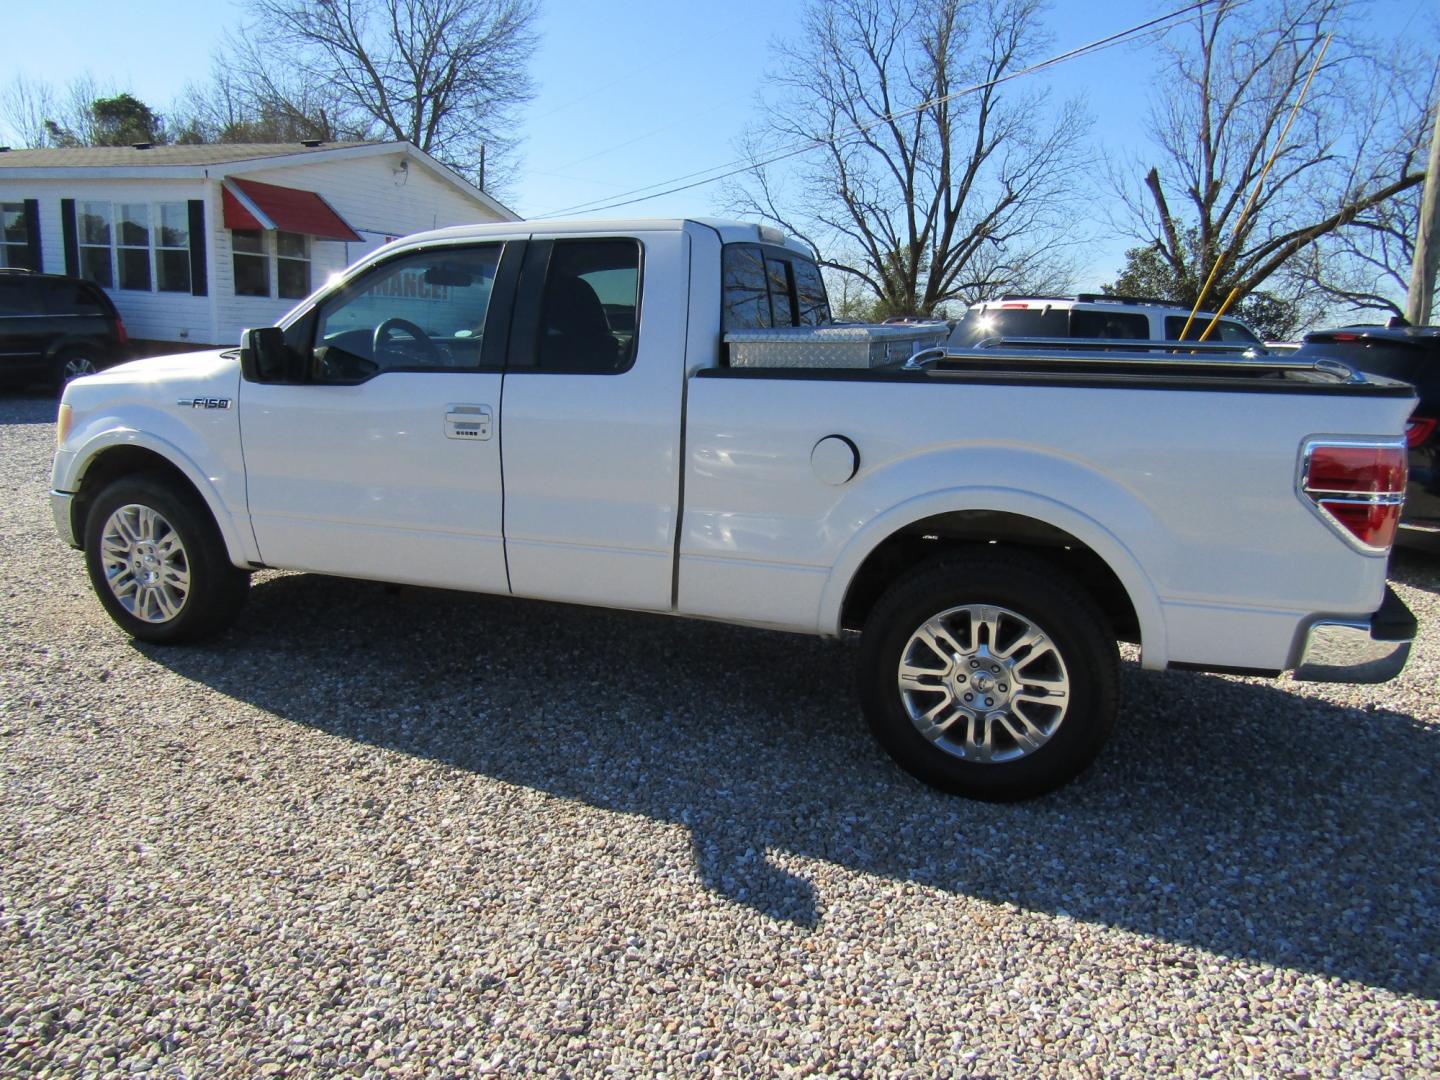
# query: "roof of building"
x,y
102,163
196,154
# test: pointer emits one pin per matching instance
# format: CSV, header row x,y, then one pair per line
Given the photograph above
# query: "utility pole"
x,y
1427,238
481,185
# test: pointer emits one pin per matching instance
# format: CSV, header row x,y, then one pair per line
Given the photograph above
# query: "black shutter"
x,y
72,241
32,233
198,283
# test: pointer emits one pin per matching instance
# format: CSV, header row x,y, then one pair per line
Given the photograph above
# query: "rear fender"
x,y
1085,528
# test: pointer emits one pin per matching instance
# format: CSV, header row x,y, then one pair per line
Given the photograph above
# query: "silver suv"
x,y
1089,315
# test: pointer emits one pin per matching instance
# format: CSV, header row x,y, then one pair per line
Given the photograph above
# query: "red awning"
x,y
250,204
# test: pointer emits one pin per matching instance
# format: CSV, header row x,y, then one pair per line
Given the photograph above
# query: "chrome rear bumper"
x,y
1359,650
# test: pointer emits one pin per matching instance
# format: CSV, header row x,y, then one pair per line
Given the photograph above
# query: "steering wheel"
x,y
382,334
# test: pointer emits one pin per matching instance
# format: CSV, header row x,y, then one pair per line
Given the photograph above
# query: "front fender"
x,y
1085,528
217,484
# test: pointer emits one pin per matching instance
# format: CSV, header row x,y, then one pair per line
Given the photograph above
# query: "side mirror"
x,y
263,354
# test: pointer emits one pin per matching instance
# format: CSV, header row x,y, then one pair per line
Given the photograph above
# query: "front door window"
x,y
421,312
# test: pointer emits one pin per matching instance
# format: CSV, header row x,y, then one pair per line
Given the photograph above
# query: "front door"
x,y
381,459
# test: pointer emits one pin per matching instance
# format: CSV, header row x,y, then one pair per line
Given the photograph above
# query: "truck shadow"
x,y
1240,818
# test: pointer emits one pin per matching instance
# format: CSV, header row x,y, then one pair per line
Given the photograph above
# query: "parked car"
x,y
1410,354
1089,315
54,328
991,533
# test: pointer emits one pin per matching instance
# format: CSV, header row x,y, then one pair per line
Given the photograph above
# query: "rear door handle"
x,y
471,423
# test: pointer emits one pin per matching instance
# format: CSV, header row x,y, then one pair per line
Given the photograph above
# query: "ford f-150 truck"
x,y
549,409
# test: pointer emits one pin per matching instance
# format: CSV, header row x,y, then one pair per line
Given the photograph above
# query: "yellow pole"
x,y
1250,202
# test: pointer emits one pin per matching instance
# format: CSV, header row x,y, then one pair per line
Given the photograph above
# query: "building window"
x,y
292,265
14,236
95,257
133,246
147,249
252,262
172,248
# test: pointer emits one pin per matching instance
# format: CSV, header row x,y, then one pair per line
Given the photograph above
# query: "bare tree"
x,y
1367,264
954,201
447,75
25,105
1219,114
39,115
246,102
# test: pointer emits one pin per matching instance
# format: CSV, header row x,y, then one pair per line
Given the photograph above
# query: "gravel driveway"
x,y
414,833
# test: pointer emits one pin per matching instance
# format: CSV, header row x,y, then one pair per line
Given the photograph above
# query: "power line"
x,y
738,166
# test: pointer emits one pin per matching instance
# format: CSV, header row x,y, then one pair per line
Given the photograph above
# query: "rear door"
x,y
381,459
22,326
590,423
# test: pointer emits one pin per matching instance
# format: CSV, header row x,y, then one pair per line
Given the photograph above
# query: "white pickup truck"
x,y
548,409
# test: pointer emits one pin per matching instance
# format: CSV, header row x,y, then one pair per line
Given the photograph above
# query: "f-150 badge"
x,y
205,402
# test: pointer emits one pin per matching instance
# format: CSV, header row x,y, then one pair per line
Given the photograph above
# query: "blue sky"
x,y
629,94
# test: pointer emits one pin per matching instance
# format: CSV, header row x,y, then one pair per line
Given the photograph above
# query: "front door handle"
x,y
468,422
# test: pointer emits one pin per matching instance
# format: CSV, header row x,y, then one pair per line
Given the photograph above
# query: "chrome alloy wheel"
x,y
146,567
74,366
983,683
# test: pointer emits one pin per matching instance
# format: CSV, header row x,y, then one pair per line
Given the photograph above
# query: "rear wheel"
x,y
158,563
993,676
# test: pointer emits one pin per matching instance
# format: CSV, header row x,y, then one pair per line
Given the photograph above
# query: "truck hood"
x,y
188,365
160,380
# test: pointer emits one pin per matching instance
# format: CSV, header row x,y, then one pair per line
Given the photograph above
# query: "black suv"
x,y
53,328
1412,354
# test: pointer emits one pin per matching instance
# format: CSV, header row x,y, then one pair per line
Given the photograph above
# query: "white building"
x,y
196,243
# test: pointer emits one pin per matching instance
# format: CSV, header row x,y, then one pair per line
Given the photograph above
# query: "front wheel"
x,y
992,676
73,363
158,563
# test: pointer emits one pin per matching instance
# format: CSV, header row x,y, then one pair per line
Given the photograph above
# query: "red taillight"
x,y
120,330
1420,429
1356,470
1359,488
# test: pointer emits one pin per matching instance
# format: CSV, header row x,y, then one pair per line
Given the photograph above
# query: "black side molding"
x,y
1222,669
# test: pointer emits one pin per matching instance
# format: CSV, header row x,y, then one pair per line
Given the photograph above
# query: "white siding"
x,y
163,316
372,199
367,191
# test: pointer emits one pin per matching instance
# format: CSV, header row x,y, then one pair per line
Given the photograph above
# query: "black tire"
x,y
72,363
215,590
1077,647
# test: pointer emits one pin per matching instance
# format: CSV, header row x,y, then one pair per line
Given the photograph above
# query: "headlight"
x,y
63,421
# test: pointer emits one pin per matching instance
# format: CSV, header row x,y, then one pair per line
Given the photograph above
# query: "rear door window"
x,y
1109,324
588,313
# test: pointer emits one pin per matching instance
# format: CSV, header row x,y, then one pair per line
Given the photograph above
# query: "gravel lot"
x,y
409,833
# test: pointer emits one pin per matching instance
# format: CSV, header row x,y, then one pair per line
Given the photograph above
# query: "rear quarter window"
x,y
73,298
